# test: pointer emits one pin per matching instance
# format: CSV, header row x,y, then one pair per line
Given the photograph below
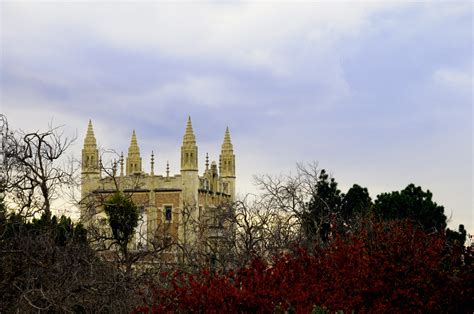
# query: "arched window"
x,y
168,212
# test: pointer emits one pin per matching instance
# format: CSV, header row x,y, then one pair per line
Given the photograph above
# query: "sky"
x,y
377,93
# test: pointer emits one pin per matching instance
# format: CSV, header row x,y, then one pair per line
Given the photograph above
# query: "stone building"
x,y
166,202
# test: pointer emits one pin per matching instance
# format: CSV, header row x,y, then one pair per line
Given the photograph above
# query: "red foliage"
x,y
391,267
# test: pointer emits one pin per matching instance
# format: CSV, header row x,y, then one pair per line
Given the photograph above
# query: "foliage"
x,y
384,267
356,202
63,231
362,265
411,203
456,237
330,209
123,218
47,265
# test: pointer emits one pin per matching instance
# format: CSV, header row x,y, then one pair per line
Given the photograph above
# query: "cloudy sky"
x,y
379,94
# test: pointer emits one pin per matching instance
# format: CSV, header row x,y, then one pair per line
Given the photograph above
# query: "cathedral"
x,y
162,199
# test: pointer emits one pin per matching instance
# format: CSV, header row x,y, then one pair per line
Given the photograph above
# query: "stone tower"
x,y
90,154
227,166
134,161
90,168
189,166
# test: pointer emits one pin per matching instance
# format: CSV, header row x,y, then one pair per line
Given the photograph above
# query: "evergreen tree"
x,y
356,202
323,207
411,203
456,237
123,219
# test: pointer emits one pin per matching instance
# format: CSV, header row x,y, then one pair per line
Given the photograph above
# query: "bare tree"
x,y
46,264
35,169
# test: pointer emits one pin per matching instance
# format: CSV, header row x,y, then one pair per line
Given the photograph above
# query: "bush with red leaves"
x,y
389,267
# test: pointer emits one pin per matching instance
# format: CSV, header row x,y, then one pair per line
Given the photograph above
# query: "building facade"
x,y
167,203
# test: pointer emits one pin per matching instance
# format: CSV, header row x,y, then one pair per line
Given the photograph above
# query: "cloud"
x,y
454,79
366,88
247,34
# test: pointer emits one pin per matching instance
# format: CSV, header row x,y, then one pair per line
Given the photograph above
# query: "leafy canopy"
x,y
123,218
411,203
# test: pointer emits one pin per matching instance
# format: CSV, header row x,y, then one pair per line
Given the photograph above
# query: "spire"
x,y
90,138
189,137
100,167
114,167
227,157
121,164
189,150
133,141
152,164
133,149
90,154
134,161
167,168
207,161
227,145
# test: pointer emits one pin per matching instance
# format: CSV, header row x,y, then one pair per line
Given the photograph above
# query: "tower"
x,y
189,167
134,161
90,154
189,151
227,166
90,168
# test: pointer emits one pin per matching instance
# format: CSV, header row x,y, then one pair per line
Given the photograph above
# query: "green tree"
x,y
411,203
47,266
356,202
123,219
456,237
323,206
330,210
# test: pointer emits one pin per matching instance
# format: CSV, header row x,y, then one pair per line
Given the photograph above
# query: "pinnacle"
x,y
134,142
227,145
227,135
189,126
134,149
189,137
90,138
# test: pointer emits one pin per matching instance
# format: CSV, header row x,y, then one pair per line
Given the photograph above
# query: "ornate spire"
x,y
100,167
121,164
189,138
207,161
189,150
114,167
227,157
90,154
134,161
167,168
152,164
227,145
133,144
89,140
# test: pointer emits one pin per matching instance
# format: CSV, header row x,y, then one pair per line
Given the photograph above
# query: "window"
x,y
168,213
